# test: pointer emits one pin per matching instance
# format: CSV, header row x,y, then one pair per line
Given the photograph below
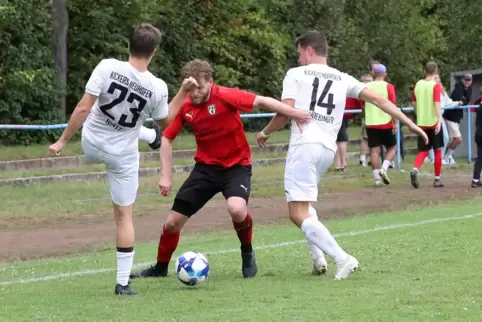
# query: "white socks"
x,y
148,135
319,235
124,267
314,250
449,153
386,165
376,174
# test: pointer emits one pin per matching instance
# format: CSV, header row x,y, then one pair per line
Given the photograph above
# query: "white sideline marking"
x,y
228,251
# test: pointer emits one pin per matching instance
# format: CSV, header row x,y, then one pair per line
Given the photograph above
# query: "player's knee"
x,y
237,208
175,221
458,140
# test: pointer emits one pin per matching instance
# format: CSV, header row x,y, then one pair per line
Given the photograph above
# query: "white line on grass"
x,y
228,251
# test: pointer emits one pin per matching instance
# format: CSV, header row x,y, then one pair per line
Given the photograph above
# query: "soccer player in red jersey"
x,y
223,161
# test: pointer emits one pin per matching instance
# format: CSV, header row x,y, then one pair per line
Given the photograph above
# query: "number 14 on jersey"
x,y
329,105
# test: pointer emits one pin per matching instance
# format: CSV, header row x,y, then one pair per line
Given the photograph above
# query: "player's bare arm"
x,y
388,107
276,123
187,85
276,106
165,182
77,119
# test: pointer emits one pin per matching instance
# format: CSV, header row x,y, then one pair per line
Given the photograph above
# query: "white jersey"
x,y
126,98
323,91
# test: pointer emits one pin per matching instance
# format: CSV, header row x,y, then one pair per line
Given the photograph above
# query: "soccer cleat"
x,y
414,178
343,270
249,266
157,142
124,290
159,270
476,184
437,183
320,266
384,176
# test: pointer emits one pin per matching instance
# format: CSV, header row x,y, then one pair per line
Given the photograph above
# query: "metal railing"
x,y
262,115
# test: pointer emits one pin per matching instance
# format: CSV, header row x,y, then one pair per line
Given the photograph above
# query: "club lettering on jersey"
x,y
114,125
131,84
322,118
319,74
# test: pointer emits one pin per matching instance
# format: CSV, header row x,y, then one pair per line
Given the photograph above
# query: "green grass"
x,y
419,273
101,168
148,164
182,142
86,197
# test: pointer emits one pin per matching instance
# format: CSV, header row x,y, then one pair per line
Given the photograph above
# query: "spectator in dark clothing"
x,y
462,92
478,140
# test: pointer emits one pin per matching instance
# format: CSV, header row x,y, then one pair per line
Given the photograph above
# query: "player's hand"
x,y
417,130
54,149
438,127
188,84
261,138
395,127
165,185
459,103
301,116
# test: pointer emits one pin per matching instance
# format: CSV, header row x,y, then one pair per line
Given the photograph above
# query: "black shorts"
x,y
381,137
342,133
435,141
205,181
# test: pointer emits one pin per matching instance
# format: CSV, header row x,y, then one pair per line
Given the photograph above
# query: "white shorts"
x,y
453,129
122,173
305,165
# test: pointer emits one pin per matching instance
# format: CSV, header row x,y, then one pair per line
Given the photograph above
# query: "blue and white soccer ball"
x,y
192,268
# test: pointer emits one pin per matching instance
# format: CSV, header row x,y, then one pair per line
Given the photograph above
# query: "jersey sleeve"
x,y
437,88
175,127
354,87
96,81
161,109
237,98
290,86
392,96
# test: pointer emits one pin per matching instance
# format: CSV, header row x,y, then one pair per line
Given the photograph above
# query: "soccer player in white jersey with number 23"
x,y
323,90
118,98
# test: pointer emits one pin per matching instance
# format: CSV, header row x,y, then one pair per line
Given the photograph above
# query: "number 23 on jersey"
x,y
131,98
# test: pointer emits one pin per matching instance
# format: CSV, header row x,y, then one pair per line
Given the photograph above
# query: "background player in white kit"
x,y
322,90
119,97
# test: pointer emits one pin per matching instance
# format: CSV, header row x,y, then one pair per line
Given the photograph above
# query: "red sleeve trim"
x,y
392,96
436,93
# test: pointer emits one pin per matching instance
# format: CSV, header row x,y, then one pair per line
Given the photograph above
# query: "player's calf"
x,y
167,245
243,225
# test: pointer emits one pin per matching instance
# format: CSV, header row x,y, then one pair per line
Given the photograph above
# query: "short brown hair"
x,y
431,68
362,78
315,40
197,69
145,38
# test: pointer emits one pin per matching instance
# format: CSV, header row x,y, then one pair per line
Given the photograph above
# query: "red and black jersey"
x,y
217,127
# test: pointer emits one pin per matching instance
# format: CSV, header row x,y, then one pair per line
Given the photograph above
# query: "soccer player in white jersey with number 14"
x,y
322,90
118,98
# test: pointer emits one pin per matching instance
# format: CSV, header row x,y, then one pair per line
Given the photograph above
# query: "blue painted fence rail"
x,y
260,115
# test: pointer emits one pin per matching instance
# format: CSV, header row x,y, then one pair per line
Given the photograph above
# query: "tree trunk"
x,y
60,21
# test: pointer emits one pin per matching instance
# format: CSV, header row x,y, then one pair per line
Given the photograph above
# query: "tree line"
x,y
49,48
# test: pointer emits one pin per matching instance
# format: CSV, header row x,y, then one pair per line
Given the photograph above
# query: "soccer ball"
x,y
192,268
